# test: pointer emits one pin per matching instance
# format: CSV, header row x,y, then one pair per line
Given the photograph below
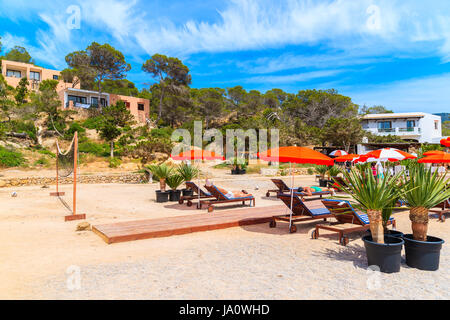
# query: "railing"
x,y
395,131
386,130
82,105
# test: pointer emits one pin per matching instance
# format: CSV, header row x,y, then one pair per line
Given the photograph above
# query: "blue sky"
x,y
390,52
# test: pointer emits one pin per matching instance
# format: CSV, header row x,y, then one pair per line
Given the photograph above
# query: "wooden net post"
x,y
57,193
74,215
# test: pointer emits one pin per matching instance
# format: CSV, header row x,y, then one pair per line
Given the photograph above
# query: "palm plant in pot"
x,y
373,196
188,173
161,172
322,171
174,181
426,190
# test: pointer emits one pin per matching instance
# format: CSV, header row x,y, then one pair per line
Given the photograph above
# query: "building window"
x,y
141,107
103,102
35,76
385,126
77,99
436,125
55,77
94,101
13,73
410,123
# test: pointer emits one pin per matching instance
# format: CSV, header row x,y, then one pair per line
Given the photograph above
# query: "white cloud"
x,y
429,94
300,77
318,61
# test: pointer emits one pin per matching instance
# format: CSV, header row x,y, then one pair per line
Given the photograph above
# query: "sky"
x,y
393,53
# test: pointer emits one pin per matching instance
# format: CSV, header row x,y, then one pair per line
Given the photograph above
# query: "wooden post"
x,y
57,193
74,215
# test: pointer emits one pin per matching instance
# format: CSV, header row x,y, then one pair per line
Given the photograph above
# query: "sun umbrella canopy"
x,y
295,155
440,158
389,154
446,142
434,153
338,153
197,154
348,157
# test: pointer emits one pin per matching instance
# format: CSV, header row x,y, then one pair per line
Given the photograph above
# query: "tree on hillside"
x,y
315,107
6,102
170,72
374,110
19,54
96,64
209,103
123,87
21,91
274,98
446,128
46,101
114,117
343,132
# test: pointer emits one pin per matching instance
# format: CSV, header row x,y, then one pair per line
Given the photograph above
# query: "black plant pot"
x,y
234,171
242,171
323,183
387,255
174,195
392,233
187,192
423,255
162,196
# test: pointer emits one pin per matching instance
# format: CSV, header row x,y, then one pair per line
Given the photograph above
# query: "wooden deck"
x,y
165,227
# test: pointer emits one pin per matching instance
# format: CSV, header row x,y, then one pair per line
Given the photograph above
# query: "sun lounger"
x,y
283,188
203,194
344,213
338,181
222,198
442,209
301,211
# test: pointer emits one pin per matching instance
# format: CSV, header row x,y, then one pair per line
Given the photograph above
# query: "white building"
x,y
79,98
414,126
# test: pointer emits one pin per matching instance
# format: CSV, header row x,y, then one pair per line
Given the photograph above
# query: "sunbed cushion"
x,y
364,218
319,211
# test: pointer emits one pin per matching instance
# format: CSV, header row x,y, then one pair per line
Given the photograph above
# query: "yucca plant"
x,y
174,181
321,170
188,172
425,191
372,196
161,172
333,171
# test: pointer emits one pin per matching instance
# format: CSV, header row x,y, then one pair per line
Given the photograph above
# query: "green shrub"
x,y
114,162
93,123
42,161
310,171
94,148
74,126
165,132
21,126
47,152
10,158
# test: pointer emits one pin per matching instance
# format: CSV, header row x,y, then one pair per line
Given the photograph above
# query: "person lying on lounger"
x,y
231,194
309,190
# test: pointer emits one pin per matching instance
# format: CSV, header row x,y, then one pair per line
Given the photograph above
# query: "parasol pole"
x,y
292,194
199,186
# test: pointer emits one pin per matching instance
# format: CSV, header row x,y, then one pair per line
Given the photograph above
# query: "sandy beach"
x,y
39,252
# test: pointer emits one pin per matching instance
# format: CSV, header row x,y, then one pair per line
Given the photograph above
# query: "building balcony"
x,y
72,104
412,131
